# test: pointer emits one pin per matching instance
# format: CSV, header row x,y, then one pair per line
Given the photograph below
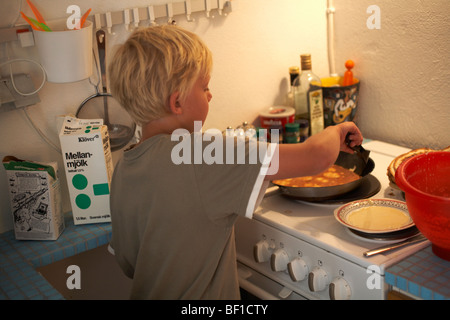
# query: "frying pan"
x,y
102,105
316,194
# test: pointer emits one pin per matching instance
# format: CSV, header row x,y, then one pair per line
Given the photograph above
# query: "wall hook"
x,y
170,13
221,5
98,22
188,11
151,13
208,9
109,22
126,18
136,17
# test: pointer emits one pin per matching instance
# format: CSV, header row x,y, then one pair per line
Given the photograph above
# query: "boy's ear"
x,y
174,103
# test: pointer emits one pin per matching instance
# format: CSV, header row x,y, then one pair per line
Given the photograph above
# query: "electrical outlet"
x,y
26,39
12,100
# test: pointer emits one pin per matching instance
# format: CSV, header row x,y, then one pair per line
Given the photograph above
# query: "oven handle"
x,y
255,290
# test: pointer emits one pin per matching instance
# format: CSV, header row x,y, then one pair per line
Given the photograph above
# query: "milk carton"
x,y
88,165
35,198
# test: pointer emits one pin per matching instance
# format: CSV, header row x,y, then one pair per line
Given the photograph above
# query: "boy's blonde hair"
x,y
154,63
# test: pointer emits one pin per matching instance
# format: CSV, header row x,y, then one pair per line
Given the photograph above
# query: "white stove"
x,y
297,250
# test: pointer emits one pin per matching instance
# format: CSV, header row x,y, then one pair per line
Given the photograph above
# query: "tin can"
x,y
339,102
292,133
276,116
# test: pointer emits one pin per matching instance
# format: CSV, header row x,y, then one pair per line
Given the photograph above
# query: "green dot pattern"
x,y
79,181
83,201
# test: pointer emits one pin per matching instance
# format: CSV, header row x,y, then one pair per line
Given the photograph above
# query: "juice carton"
x,y
35,198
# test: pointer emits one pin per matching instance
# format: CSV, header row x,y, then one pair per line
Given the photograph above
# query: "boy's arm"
x,y
317,153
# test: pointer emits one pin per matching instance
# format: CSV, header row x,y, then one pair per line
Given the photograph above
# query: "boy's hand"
x,y
317,153
350,136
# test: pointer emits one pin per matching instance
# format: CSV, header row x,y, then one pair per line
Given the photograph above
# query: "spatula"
x,y
364,155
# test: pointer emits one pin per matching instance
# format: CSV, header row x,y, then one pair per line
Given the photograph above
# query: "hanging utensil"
x,y
36,25
102,105
84,17
36,12
39,23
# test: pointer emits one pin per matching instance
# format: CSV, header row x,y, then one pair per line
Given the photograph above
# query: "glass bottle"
x,y
310,105
294,73
304,129
299,100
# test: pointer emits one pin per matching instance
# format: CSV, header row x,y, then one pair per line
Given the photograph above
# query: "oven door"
x,y
262,287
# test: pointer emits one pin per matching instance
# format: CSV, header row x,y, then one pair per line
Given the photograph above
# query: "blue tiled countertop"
x,y
423,275
20,258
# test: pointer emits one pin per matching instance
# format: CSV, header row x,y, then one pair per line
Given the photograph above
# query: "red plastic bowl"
x,y
425,179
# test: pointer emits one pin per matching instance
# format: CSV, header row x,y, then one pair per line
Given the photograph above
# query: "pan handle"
x,y
271,191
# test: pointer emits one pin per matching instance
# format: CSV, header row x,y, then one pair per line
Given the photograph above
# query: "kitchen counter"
x,y
422,275
19,279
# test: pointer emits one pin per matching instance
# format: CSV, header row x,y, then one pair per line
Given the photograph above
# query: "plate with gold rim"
x,y
374,216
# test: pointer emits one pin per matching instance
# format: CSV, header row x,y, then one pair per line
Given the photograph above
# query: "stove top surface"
x,y
316,224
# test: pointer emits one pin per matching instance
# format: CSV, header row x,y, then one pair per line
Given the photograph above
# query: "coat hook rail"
x,y
136,15
168,11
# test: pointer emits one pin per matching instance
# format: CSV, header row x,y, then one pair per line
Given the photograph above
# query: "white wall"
x,y
404,69
253,48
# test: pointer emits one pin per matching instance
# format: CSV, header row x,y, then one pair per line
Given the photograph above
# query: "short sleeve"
x,y
231,176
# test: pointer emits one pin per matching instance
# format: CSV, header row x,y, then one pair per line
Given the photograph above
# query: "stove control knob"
x,y
339,289
262,251
318,280
279,260
298,269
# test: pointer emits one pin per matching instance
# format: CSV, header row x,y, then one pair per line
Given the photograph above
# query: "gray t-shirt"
x,y
172,225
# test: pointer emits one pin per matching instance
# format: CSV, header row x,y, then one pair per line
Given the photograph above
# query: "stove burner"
x,y
369,187
389,236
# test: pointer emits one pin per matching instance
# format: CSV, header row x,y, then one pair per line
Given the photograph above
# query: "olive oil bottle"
x,y
309,101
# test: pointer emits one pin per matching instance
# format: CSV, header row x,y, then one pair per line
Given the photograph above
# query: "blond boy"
x,y
172,223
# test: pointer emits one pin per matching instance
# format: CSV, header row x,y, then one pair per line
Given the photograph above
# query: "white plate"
x,y
345,210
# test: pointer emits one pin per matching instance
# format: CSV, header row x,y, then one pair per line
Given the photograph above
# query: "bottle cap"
x,y
306,61
294,69
294,73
